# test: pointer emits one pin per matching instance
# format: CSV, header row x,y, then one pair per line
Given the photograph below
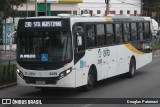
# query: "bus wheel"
x,y
132,68
90,80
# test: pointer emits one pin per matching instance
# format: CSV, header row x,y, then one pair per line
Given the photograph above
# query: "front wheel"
x,y
132,68
90,81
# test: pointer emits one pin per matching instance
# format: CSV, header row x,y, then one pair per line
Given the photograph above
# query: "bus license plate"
x,y
40,82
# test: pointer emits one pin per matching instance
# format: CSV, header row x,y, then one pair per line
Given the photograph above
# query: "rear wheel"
x,y
132,69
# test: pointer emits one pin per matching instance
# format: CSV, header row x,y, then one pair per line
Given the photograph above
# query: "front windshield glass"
x,y
44,46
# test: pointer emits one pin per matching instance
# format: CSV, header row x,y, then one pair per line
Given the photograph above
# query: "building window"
x,y
98,12
91,12
112,12
128,11
81,11
135,13
121,11
55,13
75,12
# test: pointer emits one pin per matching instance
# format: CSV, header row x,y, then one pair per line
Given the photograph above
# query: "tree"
x,y
150,6
6,10
6,7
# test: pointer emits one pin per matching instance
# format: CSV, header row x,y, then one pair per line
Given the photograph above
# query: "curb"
x,y
8,85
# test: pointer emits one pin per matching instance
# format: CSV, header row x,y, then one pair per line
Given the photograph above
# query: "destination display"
x,y
43,24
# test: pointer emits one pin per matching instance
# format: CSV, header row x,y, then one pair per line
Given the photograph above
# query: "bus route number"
x,y
28,24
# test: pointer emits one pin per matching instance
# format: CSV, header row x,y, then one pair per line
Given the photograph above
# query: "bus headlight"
x,y
65,73
20,73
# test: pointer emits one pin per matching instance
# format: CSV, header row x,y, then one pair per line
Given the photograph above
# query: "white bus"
x,y
79,51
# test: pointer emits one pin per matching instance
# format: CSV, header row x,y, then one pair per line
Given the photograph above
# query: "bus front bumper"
x,y
66,82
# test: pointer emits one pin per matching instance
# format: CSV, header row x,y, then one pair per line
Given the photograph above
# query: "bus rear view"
x,y
44,52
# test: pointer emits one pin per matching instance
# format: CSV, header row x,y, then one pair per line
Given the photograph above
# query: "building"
x,y
94,7
127,7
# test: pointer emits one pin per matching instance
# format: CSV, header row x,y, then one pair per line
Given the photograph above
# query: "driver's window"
x,y
79,32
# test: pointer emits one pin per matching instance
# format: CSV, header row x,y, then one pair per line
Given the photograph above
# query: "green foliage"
x,y
152,5
6,7
156,47
7,73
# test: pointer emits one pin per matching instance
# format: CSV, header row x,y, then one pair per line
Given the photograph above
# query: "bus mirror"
x,y
79,40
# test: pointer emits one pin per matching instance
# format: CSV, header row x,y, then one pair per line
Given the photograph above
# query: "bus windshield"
x,y
44,46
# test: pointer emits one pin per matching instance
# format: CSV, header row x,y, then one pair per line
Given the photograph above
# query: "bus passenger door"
x,y
79,52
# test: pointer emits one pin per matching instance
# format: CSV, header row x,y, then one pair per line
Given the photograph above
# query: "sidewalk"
x,y
8,85
156,53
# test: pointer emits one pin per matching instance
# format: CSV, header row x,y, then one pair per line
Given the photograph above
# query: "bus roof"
x,y
93,19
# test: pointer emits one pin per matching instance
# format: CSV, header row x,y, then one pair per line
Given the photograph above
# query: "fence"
x,y
7,66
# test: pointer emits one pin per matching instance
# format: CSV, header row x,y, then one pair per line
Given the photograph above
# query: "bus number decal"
x,y
28,24
106,52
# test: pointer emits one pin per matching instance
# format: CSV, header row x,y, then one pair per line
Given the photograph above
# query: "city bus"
x,y
76,51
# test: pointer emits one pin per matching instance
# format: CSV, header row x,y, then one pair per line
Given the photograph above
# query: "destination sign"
x,y
42,24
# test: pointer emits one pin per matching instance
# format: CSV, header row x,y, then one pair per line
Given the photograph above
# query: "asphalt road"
x,y
145,84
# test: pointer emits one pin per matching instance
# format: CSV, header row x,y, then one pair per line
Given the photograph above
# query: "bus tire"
x,y
132,69
90,80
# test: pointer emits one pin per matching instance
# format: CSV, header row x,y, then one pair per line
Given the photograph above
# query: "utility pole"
x,y
36,8
26,8
46,8
141,7
107,6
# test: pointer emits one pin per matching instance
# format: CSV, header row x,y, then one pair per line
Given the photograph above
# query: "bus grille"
x,y
48,80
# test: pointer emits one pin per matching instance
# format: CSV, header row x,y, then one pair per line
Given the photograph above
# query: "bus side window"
x,y
140,31
90,31
110,34
126,32
146,30
134,31
100,34
118,33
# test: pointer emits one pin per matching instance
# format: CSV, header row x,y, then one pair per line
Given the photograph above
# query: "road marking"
x,y
91,103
